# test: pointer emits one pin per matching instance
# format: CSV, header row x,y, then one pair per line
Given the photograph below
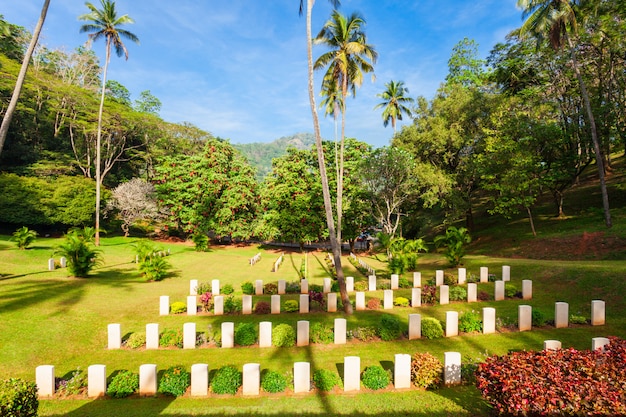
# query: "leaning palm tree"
x,y
330,222
105,23
556,21
21,76
348,58
394,103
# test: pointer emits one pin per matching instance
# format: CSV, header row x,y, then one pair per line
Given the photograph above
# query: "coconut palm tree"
x,y
21,76
331,103
555,20
348,58
394,103
105,23
330,222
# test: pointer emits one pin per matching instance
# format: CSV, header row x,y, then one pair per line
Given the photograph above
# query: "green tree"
x,y
394,103
118,92
105,23
464,66
147,103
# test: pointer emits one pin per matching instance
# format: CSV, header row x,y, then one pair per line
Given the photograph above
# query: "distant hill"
x,y
260,154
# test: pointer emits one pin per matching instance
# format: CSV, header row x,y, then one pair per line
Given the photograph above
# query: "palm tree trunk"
x,y
8,115
322,166
344,94
98,142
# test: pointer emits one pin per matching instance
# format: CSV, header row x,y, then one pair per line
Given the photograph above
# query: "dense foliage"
x,y
18,398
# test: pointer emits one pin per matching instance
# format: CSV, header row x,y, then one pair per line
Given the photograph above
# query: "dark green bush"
x,y
458,293
538,318
431,328
201,242
227,289
178,307
247,288
291,306
321,333
123,384
245,334
292,287
231,305
375,377
426,370
227,380
18,398
389,327
174,381
283,335
171,338
470,321
326,380
272,381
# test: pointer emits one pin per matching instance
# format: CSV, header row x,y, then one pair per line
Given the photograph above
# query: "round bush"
x,y
272,381
320,333
270,288
283,335
375,377
470,321
123,384
373,304
178,307
136,340
431,328
510,290
458,293
245,334
326,380
538,318
291,306
247,288
401,302
174,381
227,289
426,370
389,328
227,380
404,283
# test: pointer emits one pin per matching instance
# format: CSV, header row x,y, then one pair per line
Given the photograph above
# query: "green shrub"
x,y
470,321
272,381
123,384
136,340
155,268
321,333
375,377
449,279
283,335
78,249
75,385
245,334
231,305
174,381
401,302
178,307
24,237
326,380
201,242
171,338
510,290
426,370
247,288
431,328
458,293
204,287
18,398
389,327
262,307
291,306
364,334
455,241
538,318
361,286
404,283
574,319
227,289
227,380
292,287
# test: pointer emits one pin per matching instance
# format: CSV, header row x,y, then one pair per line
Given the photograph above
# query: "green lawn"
x,y
48,318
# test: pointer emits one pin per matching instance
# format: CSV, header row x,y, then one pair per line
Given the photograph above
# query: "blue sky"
x,y
237,68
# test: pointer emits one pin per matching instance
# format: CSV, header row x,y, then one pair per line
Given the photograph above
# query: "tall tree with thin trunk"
x,y
105,23
328,208
8,115
394,104
556,21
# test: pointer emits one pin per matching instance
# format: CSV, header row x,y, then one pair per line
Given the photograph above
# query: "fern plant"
x,y
455,241
24,237
79,251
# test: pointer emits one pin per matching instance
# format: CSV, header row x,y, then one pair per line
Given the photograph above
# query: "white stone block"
x,y
340,331
395,281
472,292
444,294
265,334
193,287
331,303
44,379
415,326
51,264
462,276
489,320
452,368
351,373
148,379
525,317
302,334
304,303
350,284
499,291
246,304
551,345
416,297
282,285
115,335
301,377
484,274
304,286
360,300
215,287
228,334
452,323
199,380
599,343
561,315
372,283
218,305
192,306
275,308
527,289
164,305
326,285
417,279
152,336
402,371
258,287
506,273
597,313
387,299
96,381
63,262
439,277
189,336
251,378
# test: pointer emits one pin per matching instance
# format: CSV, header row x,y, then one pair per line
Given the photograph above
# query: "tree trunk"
x,y
8,115
336,249
532,223
558,200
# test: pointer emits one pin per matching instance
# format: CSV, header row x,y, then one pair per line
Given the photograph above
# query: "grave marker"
x,y
489,320
340,331
349,284
218,305
561,315
265,334
192,307
152,336
462,276
415,326
193,287
472,290
189,336
164,305
417,279
148,379
484,274
303,333
258,287
360,300
246,304
551,345
332,302
452,323
527,289
96,381
599,343
597,313
416,297
525,317
395,278
215,287
251,378
402,371
228,335
372,283
388,299
351,373
275,304
499,291
304,303
438,277
115,335
506,273
452,368
44,379
199,380
444,294
301,377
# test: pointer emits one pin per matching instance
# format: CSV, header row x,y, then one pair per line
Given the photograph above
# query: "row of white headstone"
x,y
62,263
363,264
256,258
561,315
278,262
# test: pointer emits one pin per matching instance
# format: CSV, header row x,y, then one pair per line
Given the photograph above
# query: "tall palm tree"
x,y
394,103
348,58
330,222
21,76
331,103
105,23
556,21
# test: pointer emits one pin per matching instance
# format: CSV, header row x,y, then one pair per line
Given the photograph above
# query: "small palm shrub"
x,y
201,242
174,381
389,327
18,398
245,334
232,305
123,384
24,237
272,381
227,380
455,241
79,251
321,333
426,370
152,265
470,321
375,377
283,335
291,306
136,340
326,380
431,328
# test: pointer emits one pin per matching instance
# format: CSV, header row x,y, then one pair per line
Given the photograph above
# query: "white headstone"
x,y
360,300
415,326
148,379
44,379
599,342
189,336
388,299
228,335
340,331
527,289
304,303
152,336
51,264
551,345
251,378
395,278
506,273
372,283
416,297
561,315
499,291
326,287
350,284
597,313
439,277
417,279
301,377
489,320
352,373
192,306
304,286
472,292
452,368
332,302
96,381
452,323
275,304
302,338
199,380
115,335
444,294
265,334
63,262
218,305
246,304
462,276
282,285
215,287
164,305
402,371
525,317
258,287
193,287
484,274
